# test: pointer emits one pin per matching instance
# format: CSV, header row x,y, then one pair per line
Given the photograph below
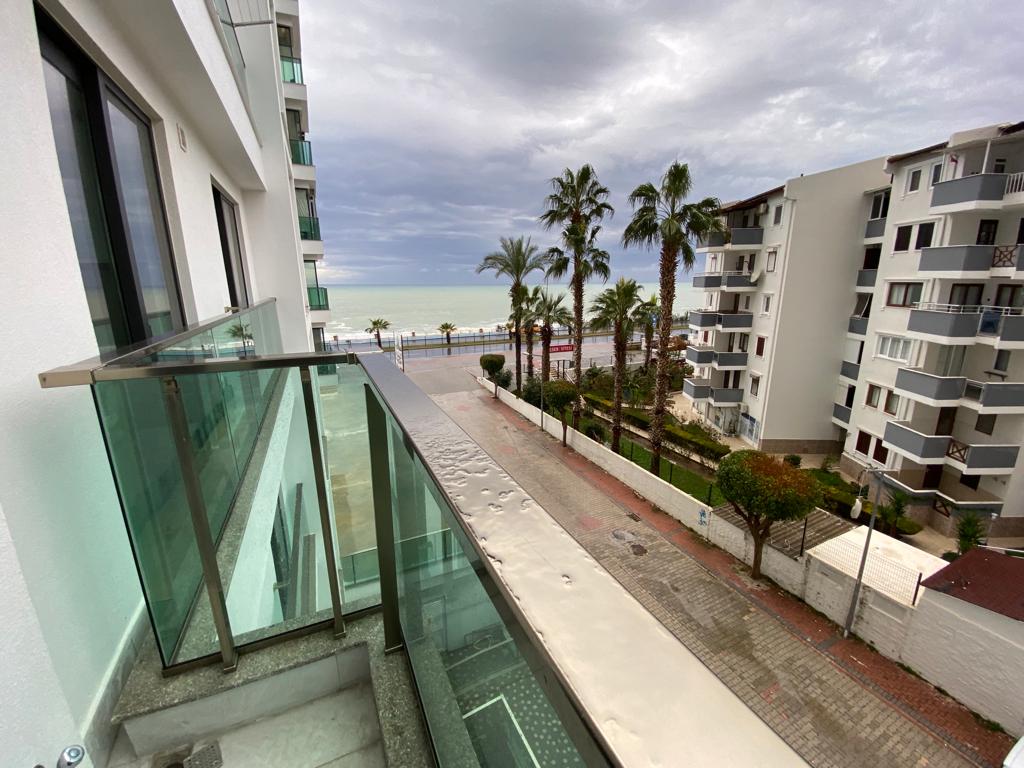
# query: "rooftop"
x,y
750,202
988,579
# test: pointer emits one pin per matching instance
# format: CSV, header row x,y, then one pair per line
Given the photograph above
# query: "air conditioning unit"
x,y
762,209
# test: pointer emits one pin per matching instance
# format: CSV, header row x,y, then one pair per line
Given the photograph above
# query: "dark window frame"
x,y
906,300
900,244
920,241
865,438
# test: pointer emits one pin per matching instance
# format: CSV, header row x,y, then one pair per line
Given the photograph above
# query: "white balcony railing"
x,y
967,309
1015,183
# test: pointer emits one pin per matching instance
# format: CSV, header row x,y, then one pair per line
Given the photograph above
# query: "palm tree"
x,y
447,329
645,316
377,325
615,308
517,258
660,216
551,312
576,203
531,298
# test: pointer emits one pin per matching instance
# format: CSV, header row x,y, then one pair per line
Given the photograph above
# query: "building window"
x,y
746,303
914,180
881,453
712,262
902,238
892,402
874,393
880,205
903,294
1002,361
863,442
999,166
862,307
924,235
744,341
766,304
987,231
778,215
772,256
893,348
986,423
107,160
755,385
971,481
759,346
936,173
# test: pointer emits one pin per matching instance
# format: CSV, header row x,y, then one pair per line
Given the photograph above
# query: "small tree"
x,y
492,365
893,512
764,491
447,329
377,325
969,532
559,395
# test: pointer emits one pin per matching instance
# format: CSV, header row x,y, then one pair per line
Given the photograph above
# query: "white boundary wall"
x,y
977,658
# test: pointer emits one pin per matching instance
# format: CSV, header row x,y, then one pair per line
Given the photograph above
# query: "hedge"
x,y
690,438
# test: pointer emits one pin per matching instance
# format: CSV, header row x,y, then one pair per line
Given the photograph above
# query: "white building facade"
x,y
935,384
770,327
151,184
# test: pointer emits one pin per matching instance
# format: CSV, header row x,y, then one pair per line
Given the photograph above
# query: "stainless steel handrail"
x,y
83,372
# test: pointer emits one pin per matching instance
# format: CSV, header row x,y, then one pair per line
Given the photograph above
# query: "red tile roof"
x,y
750,202
988,579
916,152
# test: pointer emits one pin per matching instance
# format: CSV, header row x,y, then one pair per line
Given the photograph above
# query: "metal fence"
x,y
898,581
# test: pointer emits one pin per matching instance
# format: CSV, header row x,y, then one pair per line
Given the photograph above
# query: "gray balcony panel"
x,y
703,319
731,359
707,281
874,228
866,278
947,388
747,235
726,394
1013,328
1002,395
956,258
945,324
700,356
697,389
992,456
981,186
858,325
849,370
714,240
738,281
927,448
737,320
841,412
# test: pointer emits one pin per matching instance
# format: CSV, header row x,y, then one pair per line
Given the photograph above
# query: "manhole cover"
x,y
205,757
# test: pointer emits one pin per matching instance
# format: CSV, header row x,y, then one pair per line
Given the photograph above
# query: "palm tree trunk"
x,y
620,366
648,341
577,354
529,352
379,345
519,353
669,265
545,353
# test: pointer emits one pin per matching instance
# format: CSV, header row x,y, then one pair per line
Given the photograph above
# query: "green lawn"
x,y
683,479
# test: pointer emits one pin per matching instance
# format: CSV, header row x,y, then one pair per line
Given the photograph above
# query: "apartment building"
x,y
296,102
769,329
932,383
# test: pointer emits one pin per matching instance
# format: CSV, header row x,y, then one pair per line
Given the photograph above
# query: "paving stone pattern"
x,y
830,717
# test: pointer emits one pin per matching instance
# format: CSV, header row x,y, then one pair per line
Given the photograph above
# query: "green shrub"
x,y
908,527
595,431
491,364
531,391
792,459
682,478
969,532
827,463
504,378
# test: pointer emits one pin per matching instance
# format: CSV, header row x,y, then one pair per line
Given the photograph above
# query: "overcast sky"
x,y
436,125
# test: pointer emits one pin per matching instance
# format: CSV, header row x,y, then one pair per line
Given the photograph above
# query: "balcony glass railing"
x,y
302,152
262,497
309,227
317,297
291,70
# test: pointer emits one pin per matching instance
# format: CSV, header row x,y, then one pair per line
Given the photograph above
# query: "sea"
x,y
420,309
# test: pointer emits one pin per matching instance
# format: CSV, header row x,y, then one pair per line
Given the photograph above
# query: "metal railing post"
x,y
803,536
320,476
200,522
383,516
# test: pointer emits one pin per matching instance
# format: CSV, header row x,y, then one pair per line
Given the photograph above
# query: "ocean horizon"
x,y
421,309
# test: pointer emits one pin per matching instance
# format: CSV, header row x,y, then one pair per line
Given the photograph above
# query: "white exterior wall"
x,y
73,595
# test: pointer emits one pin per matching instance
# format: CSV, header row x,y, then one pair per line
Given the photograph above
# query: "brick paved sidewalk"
x,y
837,702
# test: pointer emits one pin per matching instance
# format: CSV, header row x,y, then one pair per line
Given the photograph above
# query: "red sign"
x,y
563,347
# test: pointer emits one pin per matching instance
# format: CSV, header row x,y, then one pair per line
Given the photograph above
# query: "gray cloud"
x,y
437,125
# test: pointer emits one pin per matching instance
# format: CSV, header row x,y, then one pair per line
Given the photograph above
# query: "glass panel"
x,y
137,184
291,70
85,207
482,701
227,221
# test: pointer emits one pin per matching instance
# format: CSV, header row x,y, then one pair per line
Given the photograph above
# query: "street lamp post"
x,y
855,513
